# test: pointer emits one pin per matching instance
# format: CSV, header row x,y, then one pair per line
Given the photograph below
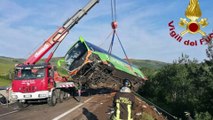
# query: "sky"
x,y
142,27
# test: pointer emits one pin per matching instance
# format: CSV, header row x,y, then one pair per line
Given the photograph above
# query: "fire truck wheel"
x,y
61,96
52,100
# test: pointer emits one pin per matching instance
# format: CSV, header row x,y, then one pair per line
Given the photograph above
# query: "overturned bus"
x,y
96,68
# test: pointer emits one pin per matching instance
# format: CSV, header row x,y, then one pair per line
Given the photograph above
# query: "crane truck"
x,y
35,82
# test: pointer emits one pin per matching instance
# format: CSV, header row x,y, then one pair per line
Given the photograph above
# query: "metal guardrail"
x,y
3,87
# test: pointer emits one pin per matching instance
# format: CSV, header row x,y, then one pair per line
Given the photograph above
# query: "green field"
x,y
5,82
6,67
6,64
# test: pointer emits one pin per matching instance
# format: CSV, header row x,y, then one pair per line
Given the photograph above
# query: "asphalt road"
x,y
94,107
41,111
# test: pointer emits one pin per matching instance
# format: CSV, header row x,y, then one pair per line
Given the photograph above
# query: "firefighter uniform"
x,y
123,104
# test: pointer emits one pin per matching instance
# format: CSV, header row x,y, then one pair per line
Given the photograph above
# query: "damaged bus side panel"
x,y
96,68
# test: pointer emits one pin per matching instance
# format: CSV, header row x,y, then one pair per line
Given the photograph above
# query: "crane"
x,y
59,35
38,82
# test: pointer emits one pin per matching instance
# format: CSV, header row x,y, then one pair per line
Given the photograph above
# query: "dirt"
x,y
100,107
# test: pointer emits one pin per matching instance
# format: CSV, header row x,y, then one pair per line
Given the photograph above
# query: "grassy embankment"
x,y
6,66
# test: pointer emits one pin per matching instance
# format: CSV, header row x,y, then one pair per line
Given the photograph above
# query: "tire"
x,y
53,99
61,96
3,100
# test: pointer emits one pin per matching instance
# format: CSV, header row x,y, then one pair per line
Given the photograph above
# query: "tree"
x,y
203,116
185,85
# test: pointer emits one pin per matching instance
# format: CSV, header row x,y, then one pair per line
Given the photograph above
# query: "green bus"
x,y
95,67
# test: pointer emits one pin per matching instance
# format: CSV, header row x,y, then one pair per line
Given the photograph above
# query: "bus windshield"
x,y
73,56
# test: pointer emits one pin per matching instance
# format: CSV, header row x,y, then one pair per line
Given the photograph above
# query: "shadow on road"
x,y
89,115
91,92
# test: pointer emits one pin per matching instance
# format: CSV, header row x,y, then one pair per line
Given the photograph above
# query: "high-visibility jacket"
x,y
123,104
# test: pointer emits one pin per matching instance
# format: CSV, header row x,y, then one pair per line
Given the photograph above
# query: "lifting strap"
x,y
114,25
112,42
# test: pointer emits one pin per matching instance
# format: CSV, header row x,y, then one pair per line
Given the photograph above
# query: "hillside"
x,y
7,64
152,64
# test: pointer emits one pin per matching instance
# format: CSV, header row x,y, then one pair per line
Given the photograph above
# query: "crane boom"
x,y
59,35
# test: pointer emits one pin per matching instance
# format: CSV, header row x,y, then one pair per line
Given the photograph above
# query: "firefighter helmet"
x,y
126,83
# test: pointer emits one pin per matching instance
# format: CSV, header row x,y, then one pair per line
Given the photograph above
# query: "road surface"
x,y
94,107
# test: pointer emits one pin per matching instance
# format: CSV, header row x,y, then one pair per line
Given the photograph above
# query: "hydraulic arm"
x,y
59,35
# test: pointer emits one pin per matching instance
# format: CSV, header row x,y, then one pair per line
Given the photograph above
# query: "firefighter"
x,y
188,116
124,103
